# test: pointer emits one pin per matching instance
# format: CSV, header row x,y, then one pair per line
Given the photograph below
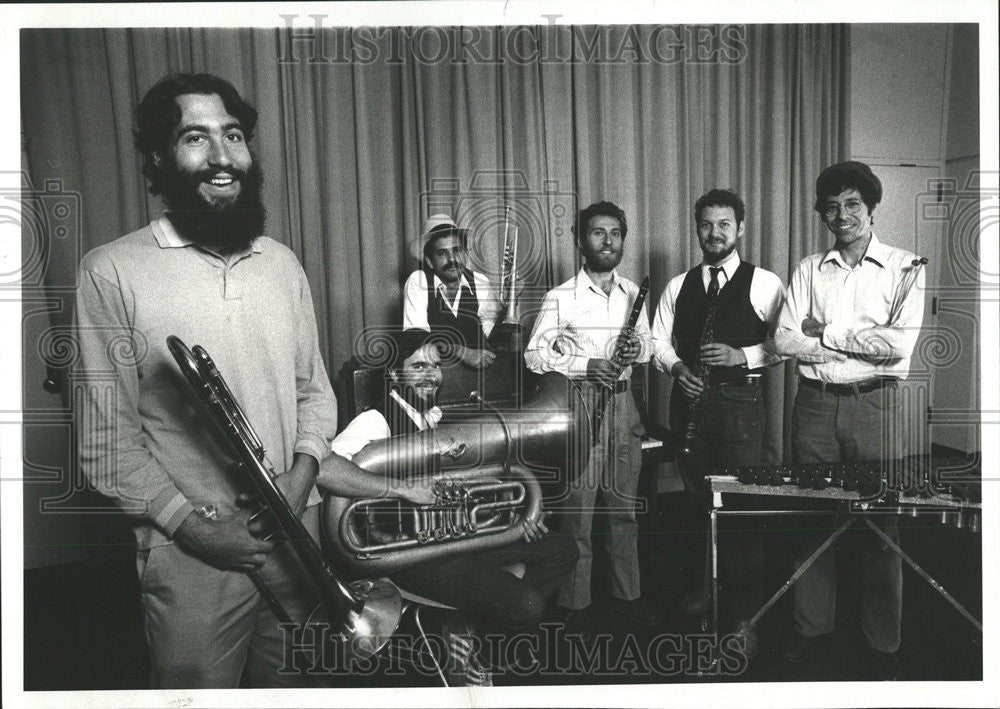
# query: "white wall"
x,y
956,393
914,104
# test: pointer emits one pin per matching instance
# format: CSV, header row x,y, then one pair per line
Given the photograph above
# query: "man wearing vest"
x,y
446,296
730,426
852,326
479,584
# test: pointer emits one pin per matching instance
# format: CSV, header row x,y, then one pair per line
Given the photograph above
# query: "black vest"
x,y
736,322
466,323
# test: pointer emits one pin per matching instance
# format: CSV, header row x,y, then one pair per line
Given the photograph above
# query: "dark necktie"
x,y
713,285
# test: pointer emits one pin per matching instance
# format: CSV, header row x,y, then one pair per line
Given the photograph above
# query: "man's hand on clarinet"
x,y
225,542
690,384
602,372
717,354
628,349
812,327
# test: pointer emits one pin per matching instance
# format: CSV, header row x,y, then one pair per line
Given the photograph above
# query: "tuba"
x,y
489,472
365,612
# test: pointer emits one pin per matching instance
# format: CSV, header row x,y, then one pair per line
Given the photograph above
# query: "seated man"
x,y
476,583
446,296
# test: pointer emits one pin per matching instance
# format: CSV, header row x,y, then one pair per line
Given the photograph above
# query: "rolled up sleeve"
x,y
894,340
789,339
547,350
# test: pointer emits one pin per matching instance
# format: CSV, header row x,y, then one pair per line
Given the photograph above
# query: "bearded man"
x,y
204,272
489,598
738,303
576,334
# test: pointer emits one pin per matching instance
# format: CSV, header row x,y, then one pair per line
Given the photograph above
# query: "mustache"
x,y
237,224
206,175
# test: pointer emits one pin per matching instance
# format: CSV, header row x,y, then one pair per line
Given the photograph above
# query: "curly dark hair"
x,y
599,209
407,342
159,113
721,198
848,175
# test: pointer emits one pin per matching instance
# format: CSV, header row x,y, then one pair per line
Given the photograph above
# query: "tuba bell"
x,y
489,472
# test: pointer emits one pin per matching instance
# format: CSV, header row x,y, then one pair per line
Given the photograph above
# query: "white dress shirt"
x,y
579,321
415,300
859,342
766,295
371,426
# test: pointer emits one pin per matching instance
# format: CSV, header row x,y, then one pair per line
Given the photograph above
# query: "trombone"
x,y
366,612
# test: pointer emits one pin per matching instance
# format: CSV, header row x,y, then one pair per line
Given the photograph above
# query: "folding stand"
x,y
728,484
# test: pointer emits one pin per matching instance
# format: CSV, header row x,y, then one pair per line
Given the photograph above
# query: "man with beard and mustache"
x,y
478,584
576,334
853,335
204,272
730,426
446,296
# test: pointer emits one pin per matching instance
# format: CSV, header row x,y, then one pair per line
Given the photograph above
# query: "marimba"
x,y
947,488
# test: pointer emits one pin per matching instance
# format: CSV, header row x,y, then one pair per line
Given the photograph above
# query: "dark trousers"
x,y
478,584
831,428
730,434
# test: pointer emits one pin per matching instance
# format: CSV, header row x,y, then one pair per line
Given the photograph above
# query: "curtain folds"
x,y
548,119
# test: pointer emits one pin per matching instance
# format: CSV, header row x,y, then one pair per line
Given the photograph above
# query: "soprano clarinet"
x,y
704,372
618,358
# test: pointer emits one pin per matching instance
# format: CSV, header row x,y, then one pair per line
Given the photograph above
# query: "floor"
x,y
84,628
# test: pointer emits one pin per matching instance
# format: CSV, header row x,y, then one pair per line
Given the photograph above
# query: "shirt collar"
x,y
167,237
429,419
877,253
585,283
728,266
439,284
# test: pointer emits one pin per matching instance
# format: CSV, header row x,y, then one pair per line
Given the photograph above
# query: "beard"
x,y
227,227
717,256
414,399
602,262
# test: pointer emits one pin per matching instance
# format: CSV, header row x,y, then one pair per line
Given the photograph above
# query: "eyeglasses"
x,y
851,206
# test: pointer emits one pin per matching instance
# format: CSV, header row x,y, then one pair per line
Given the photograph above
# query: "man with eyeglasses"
x,y
853,337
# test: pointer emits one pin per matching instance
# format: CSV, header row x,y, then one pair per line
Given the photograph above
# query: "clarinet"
x,y
704,372
617,359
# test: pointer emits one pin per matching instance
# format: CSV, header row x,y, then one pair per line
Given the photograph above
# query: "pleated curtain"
x,y
357,154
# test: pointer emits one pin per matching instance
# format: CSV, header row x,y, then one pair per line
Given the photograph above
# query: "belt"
x,y
738,381
852,389
620,386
